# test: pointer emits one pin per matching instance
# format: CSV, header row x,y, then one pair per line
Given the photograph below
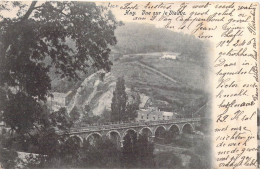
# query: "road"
x,y
156,71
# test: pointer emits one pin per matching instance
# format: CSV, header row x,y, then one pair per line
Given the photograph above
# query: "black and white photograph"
x,y
80,87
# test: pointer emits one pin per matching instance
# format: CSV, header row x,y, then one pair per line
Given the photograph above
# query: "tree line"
x,y
67,152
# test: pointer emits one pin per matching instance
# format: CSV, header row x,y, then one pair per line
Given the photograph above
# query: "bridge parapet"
x,y
116,126
118,131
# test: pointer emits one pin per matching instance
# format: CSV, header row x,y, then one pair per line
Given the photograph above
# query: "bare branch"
x,y
28,13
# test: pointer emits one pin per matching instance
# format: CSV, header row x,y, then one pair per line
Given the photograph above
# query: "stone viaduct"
x,y
151,129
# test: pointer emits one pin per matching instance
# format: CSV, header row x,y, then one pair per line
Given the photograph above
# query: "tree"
x,y
129,150
70,150
145,152
137,152
131,108
15,112
8,158
65,37
75,114
48,143
104,154
118,105
61,120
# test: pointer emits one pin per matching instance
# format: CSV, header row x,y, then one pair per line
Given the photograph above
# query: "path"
x,y
156,71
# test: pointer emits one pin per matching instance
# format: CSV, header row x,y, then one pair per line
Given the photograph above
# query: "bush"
x,y
8,158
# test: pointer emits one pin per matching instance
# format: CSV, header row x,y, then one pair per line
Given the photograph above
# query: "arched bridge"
x,y
151,129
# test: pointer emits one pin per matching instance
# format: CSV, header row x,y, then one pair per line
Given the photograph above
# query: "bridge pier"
x,y
151,139
122,143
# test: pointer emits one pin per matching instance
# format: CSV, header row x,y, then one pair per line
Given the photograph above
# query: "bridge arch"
x,y
160,134
74,139
173,133
187,128
146,131
115,137
156,128
77,137
95,133
93,137
127,130
144,128
129,138
174,128
113,131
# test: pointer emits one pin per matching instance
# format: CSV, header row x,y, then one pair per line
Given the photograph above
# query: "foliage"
x,y
131,108
129,150
68,37
75,114
61,119
48,143
183,142
63,152
122,107
103,154
89,119
137,152
168,160
8,158
21,112
171,137
118,105
87,108
34,161
43,140
69,150
145,152
105,117
131,111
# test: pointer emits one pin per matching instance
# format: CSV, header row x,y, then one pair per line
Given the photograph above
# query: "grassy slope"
x,y
190,77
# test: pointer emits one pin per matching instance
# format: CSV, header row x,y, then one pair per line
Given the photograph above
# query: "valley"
x,y
161,80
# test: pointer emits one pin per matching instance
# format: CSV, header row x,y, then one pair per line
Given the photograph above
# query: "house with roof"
x,y
170,55
59,100
154,114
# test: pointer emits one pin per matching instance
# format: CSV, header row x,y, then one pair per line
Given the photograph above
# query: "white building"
x,y
154,114
170,55
59,100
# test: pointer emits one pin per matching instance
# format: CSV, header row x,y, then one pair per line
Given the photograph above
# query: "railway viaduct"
x,y
151,129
